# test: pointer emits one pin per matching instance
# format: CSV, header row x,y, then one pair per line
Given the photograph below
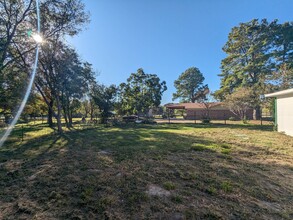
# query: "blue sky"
x,y
166,37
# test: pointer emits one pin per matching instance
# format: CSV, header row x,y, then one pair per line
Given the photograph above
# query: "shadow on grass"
x,y
104,172
219,125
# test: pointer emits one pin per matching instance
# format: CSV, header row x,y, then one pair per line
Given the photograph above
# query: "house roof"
x,y
280,93
191,105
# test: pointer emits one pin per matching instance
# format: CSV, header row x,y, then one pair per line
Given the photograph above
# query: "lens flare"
x,y
23,103
37,38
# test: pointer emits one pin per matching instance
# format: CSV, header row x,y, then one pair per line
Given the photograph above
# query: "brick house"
x,y
215,110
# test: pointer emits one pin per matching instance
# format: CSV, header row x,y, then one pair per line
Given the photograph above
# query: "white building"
x,y
283,110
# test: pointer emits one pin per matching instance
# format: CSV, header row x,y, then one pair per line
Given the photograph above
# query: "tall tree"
x,y
18,21
247,61
105,98
14,23
75,78
190,85
14,17
65,78
58,19
141,92
282,51
256,51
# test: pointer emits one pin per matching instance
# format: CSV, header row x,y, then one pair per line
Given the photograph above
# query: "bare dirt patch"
x,y
154,190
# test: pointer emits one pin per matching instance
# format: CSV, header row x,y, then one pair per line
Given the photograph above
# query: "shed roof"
x,y
280,93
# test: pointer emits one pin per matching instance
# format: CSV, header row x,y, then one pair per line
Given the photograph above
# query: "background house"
x,y
283,110
215,110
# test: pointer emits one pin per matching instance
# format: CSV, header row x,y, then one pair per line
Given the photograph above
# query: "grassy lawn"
x,y
163,171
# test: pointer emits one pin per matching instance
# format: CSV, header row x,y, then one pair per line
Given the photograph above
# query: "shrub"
x,y
244,121
232,119
206,120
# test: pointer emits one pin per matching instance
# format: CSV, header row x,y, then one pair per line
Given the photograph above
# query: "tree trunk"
x,y
7,118
66,120
86,110
58,116
50,114
66,115
70,118
92,114
256,113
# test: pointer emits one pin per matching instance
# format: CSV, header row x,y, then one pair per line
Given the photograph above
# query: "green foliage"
x,y
226,151
35,106
198,147
141,92
212,190
60,73
232,119
206,120
244,121
282,35
190,86
246,63
12,86
169,186
225,146
177,199
240,101
259,54
104,98
64,79
226,186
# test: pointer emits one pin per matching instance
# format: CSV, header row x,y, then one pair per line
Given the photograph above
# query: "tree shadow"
x,y
105,172
222,125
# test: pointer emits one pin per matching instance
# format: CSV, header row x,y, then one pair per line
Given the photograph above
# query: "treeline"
x,y
65,85
259,59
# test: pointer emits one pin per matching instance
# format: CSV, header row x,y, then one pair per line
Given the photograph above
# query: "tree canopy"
x,y
105,99
257,53
61,73
189,86
141,92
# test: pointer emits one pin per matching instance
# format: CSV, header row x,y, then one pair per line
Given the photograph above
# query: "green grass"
x,y
169,186
210,171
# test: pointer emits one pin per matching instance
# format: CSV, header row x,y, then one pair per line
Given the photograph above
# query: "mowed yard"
x,y
162,171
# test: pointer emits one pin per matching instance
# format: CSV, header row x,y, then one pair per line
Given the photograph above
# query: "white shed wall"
x,y
285,114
